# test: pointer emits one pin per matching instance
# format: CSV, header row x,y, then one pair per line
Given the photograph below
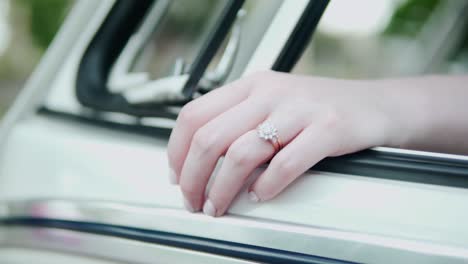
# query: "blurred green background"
x,y
28,26
363,39
26,29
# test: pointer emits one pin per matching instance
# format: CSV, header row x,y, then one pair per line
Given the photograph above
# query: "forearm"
x,y
430,113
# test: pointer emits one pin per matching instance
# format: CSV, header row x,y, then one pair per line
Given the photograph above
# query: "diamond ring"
x,y
268,132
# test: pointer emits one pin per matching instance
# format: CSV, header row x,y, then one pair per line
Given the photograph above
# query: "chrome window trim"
x,y
102,247
329,243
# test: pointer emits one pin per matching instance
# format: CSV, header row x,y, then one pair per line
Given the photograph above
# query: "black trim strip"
x,y
216,38
402,167
212,246
96,120
301,35
371,163
104,49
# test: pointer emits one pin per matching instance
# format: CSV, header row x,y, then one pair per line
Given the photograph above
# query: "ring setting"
x,y
268,132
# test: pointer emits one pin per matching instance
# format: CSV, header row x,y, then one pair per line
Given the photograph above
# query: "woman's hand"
x,y
315,118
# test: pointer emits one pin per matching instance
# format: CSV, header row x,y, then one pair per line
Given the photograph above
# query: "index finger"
x,y
197,113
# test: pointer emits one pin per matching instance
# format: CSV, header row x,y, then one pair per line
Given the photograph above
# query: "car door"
x,y
83,172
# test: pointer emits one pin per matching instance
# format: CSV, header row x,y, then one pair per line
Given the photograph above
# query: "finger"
x,y
243,156
210,142
309,147
197,113
241,159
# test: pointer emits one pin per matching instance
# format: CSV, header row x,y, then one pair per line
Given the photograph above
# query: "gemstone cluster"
x,y
267,131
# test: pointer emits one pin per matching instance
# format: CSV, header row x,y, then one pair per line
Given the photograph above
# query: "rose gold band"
x,y
276,142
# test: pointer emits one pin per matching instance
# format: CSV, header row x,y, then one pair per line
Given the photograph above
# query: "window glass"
x,y
387,38
185,26
179,35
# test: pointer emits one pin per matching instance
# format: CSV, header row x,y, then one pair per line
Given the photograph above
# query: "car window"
x,y
162,56
388,38
383,40
178,36
184,28
138,58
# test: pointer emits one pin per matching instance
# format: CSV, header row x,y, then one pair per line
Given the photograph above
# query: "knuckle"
x,y
258,78
188,189
188,114
332,118
261,74
172,157
285,165
266,190
221,199
239,155
205,142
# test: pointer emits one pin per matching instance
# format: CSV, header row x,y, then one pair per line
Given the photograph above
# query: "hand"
x,y
315,118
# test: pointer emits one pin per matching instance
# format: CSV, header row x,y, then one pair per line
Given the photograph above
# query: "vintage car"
x,y
83,165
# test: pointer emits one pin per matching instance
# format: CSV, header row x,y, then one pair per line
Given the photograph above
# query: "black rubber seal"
x,y
91,84
216,38
301,35
101,54
97,121
401,167
109,41
375,164
199,244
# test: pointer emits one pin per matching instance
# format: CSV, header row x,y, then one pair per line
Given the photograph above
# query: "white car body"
x,y
55,168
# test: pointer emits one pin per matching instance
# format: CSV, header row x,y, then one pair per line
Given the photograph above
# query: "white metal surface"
x,y
27,256
338,216
76,161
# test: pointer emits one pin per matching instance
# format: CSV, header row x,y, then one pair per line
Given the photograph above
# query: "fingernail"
x,y
209,208
172,177
253,197
188,206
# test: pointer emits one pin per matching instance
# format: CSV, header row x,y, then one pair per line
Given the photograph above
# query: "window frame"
x,y
80,230
415,166
110,40
408,166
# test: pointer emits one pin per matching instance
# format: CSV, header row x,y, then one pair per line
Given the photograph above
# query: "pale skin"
x,y
316,118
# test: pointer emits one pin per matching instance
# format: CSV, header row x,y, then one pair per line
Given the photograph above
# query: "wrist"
x,y
403,108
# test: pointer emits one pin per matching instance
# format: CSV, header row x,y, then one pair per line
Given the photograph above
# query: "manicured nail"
x,y
253,197
209,208
188,206
172,177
